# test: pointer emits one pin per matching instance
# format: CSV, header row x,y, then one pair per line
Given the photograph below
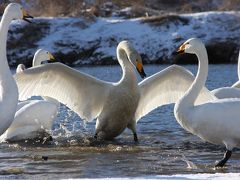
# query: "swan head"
x,y
136,59
191,46
133,56
42,55
20,68
17,12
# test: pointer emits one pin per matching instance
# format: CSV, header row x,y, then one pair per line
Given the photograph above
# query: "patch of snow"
x,y
154,41
203,176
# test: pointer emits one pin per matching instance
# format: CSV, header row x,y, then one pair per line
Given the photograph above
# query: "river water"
x,y
164,148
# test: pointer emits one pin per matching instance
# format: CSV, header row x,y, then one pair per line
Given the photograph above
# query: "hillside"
x,y
79,41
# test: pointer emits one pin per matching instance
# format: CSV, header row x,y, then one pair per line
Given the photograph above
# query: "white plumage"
x,y
229,92
216,121
8,87
34,118
166,87
115,105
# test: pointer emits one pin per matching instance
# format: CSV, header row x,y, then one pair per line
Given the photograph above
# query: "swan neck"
x,y
239,66
4,26
128,73
199,82
36,61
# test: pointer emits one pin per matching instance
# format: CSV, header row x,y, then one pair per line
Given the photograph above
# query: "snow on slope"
x,y
156,39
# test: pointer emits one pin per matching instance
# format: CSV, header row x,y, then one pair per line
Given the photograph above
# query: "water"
x,y
164,147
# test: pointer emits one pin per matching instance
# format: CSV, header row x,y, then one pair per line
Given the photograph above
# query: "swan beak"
x,y
140,69
51,57
26,15
181,49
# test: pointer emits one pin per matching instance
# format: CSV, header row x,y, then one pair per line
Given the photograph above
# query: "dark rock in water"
x,y
45,158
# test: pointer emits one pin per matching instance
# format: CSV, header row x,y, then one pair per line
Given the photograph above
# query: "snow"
x,y
203,176
157,42
217,176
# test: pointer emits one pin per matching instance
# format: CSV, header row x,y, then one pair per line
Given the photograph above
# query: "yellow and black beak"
x,y
181,49
26,15
140,69
51,57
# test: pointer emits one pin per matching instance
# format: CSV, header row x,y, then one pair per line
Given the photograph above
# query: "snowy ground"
x,y
80,41
217,176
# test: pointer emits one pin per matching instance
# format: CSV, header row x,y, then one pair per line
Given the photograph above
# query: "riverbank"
x,y
93,41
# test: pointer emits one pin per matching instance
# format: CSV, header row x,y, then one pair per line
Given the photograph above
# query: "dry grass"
x,y
107,7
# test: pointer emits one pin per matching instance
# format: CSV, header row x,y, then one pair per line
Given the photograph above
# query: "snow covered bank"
x,y
93,41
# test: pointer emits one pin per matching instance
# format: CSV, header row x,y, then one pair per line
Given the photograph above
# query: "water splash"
x,y
68,124
190,164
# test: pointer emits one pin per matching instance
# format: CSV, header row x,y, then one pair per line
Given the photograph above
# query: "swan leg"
x,y
132,126
100,136
226,156
135,137
95,136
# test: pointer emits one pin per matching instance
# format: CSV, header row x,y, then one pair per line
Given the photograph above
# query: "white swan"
x,y
217,121
39,56
34,118
229,92
8,87
237,84
115,105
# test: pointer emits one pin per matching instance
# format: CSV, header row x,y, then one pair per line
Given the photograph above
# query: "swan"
x,y
40,56
216,121
33,118
237,84
229,92
116,106
8,87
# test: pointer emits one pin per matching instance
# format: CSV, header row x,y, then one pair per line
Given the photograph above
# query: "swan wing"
x,y
236,85
239,65
82,93
226,92
166,87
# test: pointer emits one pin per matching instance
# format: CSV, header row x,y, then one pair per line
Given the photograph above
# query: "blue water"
x,y
164,147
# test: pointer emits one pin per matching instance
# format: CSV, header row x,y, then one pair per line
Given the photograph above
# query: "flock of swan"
x,y
115,106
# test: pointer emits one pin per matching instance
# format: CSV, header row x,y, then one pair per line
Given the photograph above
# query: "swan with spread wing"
x,y
33,118
115,105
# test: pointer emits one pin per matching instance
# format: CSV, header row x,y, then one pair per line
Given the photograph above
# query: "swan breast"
x,y
118,110
218,121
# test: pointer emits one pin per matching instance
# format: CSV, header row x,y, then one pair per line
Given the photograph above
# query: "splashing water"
x,y
73,153
190,164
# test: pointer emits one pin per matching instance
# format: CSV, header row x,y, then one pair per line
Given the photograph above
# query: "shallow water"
x,y
164,147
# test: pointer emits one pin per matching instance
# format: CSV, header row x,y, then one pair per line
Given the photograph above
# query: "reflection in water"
x,y
164,147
